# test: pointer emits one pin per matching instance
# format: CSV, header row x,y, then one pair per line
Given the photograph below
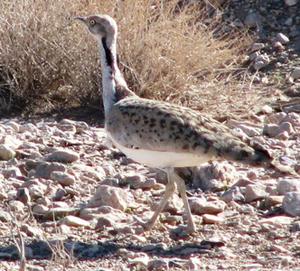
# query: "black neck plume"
x,y
108,54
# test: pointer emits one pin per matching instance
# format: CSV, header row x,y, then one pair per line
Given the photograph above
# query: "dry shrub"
x,y
48,59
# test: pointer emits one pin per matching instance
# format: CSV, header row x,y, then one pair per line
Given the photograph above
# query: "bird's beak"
x,y
81,18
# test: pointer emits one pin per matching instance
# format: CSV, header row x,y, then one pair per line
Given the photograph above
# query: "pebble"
x,y
201,206
261,61
291,203
63,156
12,172
276,220
158,265
213,176
296,73
291,2
212,219
6,153
257,46
63,178
44,169
114,197
73,221
233,194
288,185
32,231
255,192
282,38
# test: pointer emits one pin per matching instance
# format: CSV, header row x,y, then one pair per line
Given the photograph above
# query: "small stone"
x,y
288,185
212,219
278,46
63,178
56,213
31,231
104,222
291,2
23,195
261,61
257,46
115,197
271,130
73,221
213,176
40,209
233,194
200,206
12,172
291,203
63,156
6,153
44,169
267,109
255,192
282,38
158,265
276,220
28,127
296,73
273,201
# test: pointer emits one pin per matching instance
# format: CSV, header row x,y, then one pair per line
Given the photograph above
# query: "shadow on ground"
x,y
42,250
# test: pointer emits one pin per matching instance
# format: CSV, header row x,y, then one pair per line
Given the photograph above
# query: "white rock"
x,y
73,221
115,197
282,38
290,2
6,153
255,192
63,178
291,203
288,185
63,156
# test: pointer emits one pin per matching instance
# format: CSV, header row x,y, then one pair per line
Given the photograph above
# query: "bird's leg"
x,y
182,191
170,189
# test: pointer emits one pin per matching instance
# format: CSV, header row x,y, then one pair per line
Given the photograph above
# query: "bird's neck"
x,y
111,75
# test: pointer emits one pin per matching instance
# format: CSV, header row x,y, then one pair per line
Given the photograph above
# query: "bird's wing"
x,y
159,126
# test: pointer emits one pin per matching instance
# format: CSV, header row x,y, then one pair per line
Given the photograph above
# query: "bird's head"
x,y
101,26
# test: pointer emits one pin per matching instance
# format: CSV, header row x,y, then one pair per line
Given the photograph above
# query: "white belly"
x,y
159,159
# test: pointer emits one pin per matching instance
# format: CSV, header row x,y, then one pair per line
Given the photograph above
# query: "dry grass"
x,y
46,58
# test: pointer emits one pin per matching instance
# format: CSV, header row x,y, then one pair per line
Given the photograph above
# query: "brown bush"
x,y
48,59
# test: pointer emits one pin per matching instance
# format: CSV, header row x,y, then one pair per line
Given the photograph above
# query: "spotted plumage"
x,y
156,133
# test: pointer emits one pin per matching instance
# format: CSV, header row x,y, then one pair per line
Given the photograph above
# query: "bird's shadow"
x,y
46,250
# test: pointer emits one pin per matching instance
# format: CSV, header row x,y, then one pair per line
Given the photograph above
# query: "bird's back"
x,y
147,125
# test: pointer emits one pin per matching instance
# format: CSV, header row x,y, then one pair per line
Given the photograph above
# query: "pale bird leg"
x,y
191,227
170,189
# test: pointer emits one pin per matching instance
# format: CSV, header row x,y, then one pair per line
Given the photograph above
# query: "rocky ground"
x,y
71,199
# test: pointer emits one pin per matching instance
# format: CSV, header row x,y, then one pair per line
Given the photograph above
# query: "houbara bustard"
x,y
160,134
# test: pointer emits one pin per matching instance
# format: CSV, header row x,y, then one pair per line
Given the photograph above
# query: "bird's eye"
x,y
92,22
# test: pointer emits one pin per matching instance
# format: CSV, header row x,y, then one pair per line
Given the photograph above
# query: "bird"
x,y
159,134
